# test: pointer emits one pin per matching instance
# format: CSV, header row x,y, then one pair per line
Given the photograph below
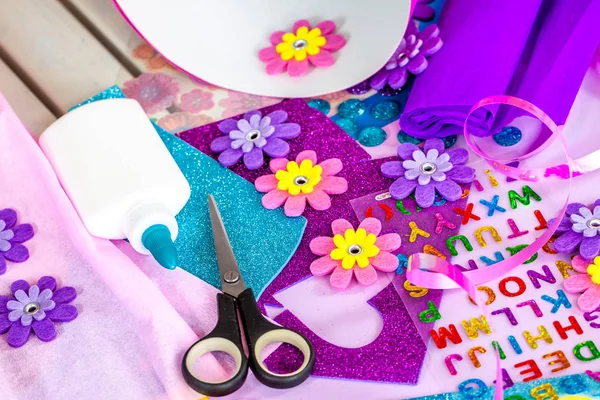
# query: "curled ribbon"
x,y
431,272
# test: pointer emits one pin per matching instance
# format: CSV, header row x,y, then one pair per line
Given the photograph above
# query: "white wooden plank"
x,y
27,106
56,51
103,18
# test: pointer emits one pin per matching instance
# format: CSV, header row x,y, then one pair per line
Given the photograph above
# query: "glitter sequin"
x,y
321,105
489,292
416,231
493,179
497,347
449,141
351,109
404,138
450,243
544,392
360,88
389,92
540,217
475,325
516,232
508,136
560,359
385,110
450,365
371,136
348,126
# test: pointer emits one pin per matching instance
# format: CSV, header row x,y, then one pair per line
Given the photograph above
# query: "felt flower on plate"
x,y
428,171
252,135
579,229
151,57
293,51
410,57
357,252
36,308
293,183
586,282
236,103
11,238
154,92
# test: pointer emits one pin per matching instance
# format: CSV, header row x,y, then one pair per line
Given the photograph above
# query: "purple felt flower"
x,y
579,229
410,57
422,11
35,308
11,237
425,172
251,136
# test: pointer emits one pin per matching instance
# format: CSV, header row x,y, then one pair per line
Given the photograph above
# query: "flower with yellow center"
x,y
594,270
299,178
301,44
355,247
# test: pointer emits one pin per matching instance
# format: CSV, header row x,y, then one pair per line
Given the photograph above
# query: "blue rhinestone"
x,y
449,141
508,136
321,105
385,110
349,126
372,136
404,138
351,109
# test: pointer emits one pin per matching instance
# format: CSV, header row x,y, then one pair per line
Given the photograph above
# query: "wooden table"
x,y
57,53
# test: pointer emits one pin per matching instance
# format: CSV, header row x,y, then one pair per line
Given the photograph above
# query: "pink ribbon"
x,y
429,271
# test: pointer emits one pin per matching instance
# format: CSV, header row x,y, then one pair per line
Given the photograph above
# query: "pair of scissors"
x,y
226,336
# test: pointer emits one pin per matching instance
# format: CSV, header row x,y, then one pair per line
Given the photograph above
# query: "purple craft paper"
x,y
328,140
483,42
426,220
399,356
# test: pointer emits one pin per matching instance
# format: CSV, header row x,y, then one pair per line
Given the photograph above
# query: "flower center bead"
x,y
355,250
31,308
300,44
594,223
253,135
300,180
428,168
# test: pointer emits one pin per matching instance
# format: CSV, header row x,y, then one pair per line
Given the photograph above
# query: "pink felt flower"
x,y
197,100
293,51
354,252
586,282
293,183
154,92
182,121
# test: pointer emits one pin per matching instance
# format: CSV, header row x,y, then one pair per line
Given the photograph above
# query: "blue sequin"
x,y
351,109
402,263
371,136
385,110
349,126
264,240
404,138
508,136
321,105
449,141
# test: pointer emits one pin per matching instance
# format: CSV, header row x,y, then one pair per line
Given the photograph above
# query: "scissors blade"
x,y
232,282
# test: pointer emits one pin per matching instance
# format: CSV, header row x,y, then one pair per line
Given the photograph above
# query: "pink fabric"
x,y
134,324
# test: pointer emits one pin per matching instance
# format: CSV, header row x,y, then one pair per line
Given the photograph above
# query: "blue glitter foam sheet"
x,y
263,240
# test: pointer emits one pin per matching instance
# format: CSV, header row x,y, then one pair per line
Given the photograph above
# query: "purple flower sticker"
x,y
410,57
36,308
11,237
429,171
579,229
253,135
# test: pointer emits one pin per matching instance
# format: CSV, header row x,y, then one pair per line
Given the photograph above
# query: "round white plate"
x,y
218,40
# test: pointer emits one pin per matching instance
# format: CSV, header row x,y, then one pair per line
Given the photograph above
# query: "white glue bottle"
x,y
119,175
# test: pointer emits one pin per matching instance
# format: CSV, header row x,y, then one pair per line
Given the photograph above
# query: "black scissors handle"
x,y
259,333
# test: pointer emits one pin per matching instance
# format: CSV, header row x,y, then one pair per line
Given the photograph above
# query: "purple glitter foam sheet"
x,y
322,135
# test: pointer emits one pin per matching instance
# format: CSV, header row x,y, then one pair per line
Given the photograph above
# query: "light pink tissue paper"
x,y
134,324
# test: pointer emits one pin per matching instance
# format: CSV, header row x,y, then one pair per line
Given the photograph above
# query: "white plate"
x,y
218,40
